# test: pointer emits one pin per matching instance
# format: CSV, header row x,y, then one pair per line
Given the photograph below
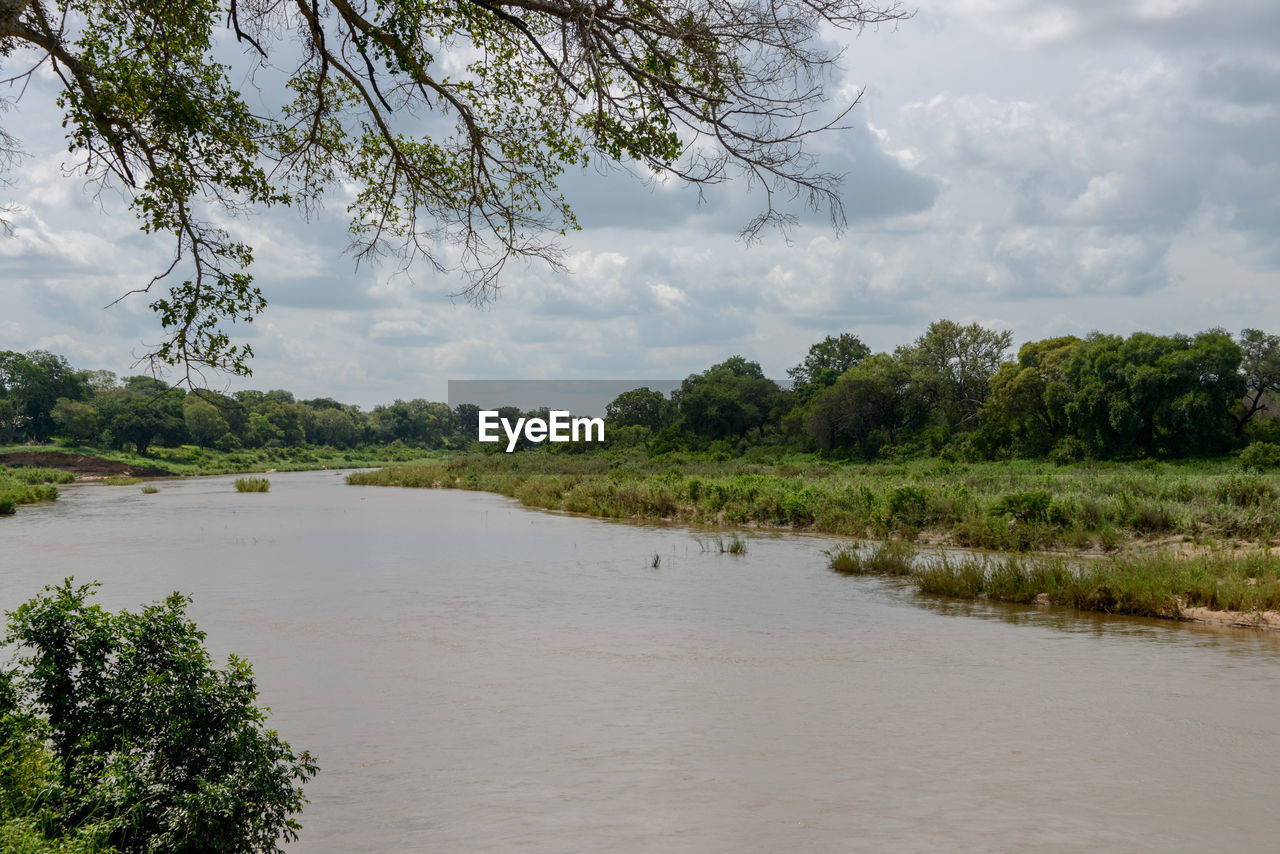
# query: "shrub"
x,y
1246,491
1031,506
1260,456
148,739
909,506
7,507
252,484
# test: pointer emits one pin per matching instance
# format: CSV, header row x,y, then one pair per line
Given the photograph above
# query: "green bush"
x,y
252,484
159,749
1031,506
1260,456
909,506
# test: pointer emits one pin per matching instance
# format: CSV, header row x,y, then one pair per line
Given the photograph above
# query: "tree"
x,y
151,741
141,412
1024,411
205,422
640,407
866,408
1153,395
727,400
951,369
828,359
32,383
1260,365
697,90
78,420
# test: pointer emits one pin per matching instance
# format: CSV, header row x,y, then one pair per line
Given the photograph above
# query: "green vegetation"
x,y
1015,506
891,557
29,485
117,734
149,490
1157,584
252,484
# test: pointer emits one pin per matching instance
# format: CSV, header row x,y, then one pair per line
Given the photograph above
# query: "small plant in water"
x,y
149,490
736,545
656,561
892,557
252,484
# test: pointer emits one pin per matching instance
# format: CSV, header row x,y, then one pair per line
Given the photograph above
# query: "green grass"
x,y
252,484
28,486
192,460
892,557
1155,584
1013,506
149,490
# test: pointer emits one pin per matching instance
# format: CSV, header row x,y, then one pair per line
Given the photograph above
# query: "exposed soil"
x,y
81,465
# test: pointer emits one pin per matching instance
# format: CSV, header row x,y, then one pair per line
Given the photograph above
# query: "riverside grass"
x,y
1010,506
29,486
1159,584
252,484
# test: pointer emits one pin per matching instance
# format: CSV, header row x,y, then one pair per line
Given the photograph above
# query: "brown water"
x,y
474,676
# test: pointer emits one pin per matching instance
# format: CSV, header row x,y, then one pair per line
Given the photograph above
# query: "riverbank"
x,y
30,474
1240,589
1014,506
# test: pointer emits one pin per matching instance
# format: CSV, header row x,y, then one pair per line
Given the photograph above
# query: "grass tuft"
x,y
892,557
252,484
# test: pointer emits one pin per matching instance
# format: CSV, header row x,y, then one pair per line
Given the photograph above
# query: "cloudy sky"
x,y
1045,166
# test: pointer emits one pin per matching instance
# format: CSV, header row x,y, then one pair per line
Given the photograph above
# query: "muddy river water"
x,y
474,676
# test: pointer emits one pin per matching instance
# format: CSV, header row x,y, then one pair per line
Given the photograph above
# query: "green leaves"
x,y
164,751
448,123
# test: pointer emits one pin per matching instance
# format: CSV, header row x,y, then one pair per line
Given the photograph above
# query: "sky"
x,y
1049,167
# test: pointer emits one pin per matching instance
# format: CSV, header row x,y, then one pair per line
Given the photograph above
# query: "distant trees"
x,y
30,386
826,361
727,400
868,407
1260,364
952,391
641,407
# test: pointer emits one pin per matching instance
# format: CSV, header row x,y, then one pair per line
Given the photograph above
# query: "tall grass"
x,y
1012,506
888,558
252,484
1153,585
29,486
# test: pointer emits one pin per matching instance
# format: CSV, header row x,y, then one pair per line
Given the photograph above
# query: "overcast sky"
x,y
1044,166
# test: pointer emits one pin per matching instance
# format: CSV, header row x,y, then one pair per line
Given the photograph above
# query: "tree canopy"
x,y
447,123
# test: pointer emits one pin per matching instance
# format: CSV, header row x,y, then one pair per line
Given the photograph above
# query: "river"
x,y
474,676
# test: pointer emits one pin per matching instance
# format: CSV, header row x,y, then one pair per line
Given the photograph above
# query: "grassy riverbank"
x,y
39,468
28,486
1017,506
1241,588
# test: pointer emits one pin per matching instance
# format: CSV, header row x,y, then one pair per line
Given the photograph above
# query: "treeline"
x,y
954,391
43,397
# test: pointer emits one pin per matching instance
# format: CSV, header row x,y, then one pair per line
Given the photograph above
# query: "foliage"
x,y
826,361
998,505
149,741
1260,364
252,484
641,407
728,400
1260,456
515,92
